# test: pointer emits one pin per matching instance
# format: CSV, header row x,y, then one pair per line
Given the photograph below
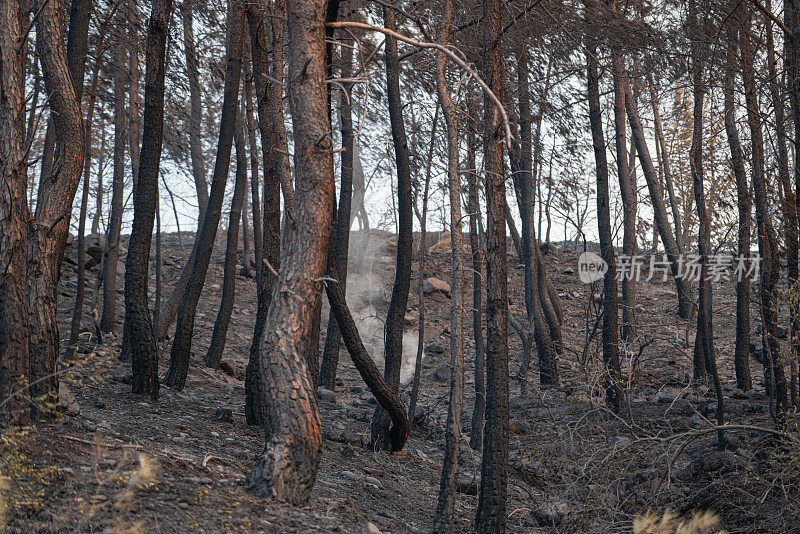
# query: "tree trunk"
x,y
115,220
610,307
491,510
423,258
270,113
627,191
473,199
138,337
258,232
395,319
742,347
767,240
789,203
288,466
195,113
15,219
704,340
330,356
792,65
134,126
664,229
384,395
217,345
57,190
204,243
443,517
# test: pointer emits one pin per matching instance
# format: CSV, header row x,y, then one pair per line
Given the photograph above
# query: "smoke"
x,y
366,297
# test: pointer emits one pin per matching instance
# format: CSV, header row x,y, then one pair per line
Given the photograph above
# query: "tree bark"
x,y
395,319
115,221
196,111
767,240
491,510
444,515
15,219
204,243
57,190
473,199
138,337
664,228
610,306
270,113
743,204
217,345
704,340
423,258
333,338
287,468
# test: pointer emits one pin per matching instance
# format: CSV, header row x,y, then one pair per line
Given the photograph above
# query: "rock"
x,y
420,415
370,528
434,348
326,395
442,372
372,480
568,270
224,414
369,397
353,476
433,285
67,399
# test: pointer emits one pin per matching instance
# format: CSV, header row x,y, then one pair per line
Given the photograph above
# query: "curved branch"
x,y
449,53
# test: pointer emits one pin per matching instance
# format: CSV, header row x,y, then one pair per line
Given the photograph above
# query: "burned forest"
x,y
382,266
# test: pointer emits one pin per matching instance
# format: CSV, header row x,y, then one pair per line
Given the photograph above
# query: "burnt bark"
x,y
217,345
395,319
204,243
270,113
195,111
14,223
744,207
660,213
767,239
491,509
610,305
139,341
333,338
287,468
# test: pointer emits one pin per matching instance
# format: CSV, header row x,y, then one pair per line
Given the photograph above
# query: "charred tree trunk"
x,y
473,199
704,340
138,337
15,219
63,77
767,240
423,258
664,229
789,205
395,320
217,345
330,355
443,517
610,309
627,191
203,245
115,220
195,112
742,347
491,511
270,114
288,466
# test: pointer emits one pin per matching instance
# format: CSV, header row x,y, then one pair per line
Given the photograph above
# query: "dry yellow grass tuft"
x,y
669,523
